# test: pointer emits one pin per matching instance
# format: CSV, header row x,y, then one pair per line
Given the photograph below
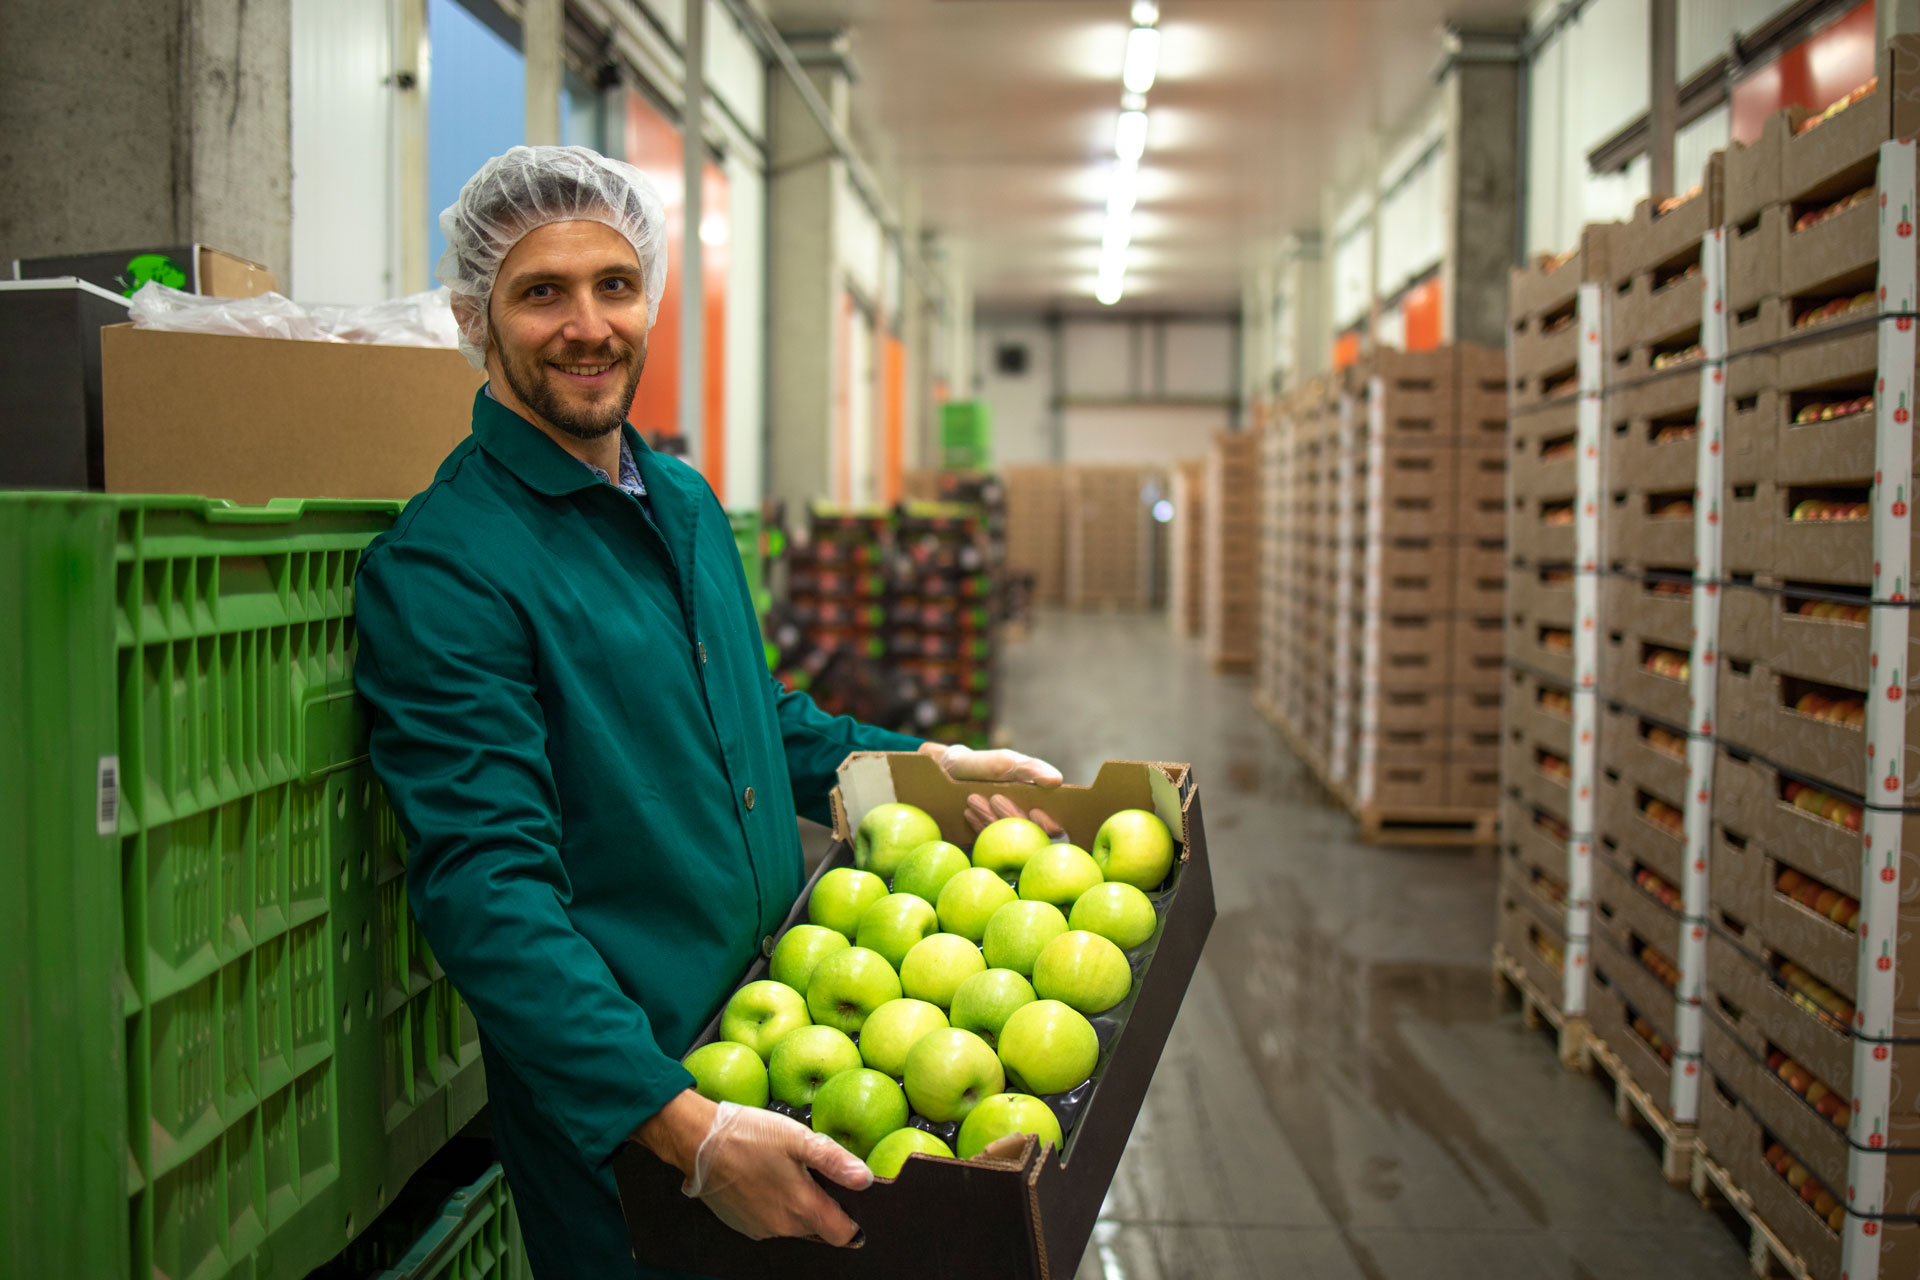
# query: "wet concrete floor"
x,y
1342,1097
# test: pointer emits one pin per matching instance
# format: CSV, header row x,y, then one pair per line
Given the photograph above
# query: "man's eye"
x,y
540,291
616,285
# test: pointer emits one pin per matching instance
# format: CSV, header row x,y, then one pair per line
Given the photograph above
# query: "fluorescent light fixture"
x,y
1108,290
1145,12
1119,234
1133,102
1125,187
1130,136
1143,55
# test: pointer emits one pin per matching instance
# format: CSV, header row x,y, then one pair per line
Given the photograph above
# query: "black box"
x,y
50,424
1019,1219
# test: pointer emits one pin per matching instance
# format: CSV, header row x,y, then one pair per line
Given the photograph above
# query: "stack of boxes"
x,y
1109,538
1231,548
1274,684
1036,523
1186,561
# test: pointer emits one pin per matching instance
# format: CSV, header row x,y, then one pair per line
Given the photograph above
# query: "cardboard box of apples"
x,y
930,993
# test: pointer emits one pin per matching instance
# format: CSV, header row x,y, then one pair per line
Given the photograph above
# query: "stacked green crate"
x,y
753,558
476,1237
239,1043
966,435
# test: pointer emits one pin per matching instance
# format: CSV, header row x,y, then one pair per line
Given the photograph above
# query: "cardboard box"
x,y
1540,893
1416,575
1749,799
252,419
1834,451
1753,256
1543,592
1757,713
1630,662
1736,879
1628,833
1837,152
1109,535
1531,840
1480,575
1478,644
1767,622
1642,530
1037,528
1675,396
1413,648
1839,350
1409,779
1673,356
1537,945
1653,605
1655,453
1418,707
1643,749
1655,237
1540,709
1541,528
1657,305
1763,539
1480,510
1545,347
50,369
1536,643
1842,248
1751,441
1551,284
1753,171
1029,1217
1476,708
194,268
1474,783
1625,911
1524,757
1620,989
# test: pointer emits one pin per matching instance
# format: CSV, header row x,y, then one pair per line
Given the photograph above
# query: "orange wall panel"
x,y
1815,74
893,411
1420,316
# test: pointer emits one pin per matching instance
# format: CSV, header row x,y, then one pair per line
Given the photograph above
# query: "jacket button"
x,y
766,945
703,652
749,797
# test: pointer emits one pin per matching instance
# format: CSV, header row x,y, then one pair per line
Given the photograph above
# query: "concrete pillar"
x,y
543,40
803,286
1483,120
145,122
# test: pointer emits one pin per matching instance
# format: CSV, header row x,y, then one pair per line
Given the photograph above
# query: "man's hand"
x,y
751,1168
964,764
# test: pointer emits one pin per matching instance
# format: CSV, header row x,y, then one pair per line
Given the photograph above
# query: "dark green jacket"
x,y
597,780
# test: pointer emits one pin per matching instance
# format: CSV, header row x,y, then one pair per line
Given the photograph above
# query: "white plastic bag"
x,y
418,320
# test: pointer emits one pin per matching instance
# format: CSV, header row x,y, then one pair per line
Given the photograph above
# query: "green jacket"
x,y
597,780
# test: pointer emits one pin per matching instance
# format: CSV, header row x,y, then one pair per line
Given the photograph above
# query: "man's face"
x,y
568,326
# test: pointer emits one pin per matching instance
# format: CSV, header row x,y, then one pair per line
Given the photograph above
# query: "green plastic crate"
x,y
236,1042
746,538
966,435
476,1237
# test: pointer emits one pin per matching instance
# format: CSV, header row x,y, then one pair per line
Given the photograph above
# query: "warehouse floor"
x,y
1342,1097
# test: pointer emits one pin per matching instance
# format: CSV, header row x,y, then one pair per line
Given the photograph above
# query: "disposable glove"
x,y
964,764
751,1170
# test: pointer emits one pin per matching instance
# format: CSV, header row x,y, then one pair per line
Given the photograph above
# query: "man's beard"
x,y
534,384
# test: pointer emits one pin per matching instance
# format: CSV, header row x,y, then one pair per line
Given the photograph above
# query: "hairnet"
x,y
526,189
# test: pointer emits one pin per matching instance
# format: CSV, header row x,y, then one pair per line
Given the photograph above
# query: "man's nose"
x,y
587,322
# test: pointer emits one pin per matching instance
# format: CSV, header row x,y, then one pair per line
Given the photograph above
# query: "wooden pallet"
x,y
1421,826
1536,1010
1764,1248
1677,1141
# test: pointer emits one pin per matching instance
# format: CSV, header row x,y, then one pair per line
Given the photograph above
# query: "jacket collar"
x,y
532,456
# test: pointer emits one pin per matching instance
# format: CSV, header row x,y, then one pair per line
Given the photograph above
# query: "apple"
x,y
1134,847
937,965
889,1155
1003,847
807,1058
727,1072
1018,931
895,923
1003,1115
858,1108
842,897
799,950
1117,912
950,1071
985,1001
927,869
893,1029
969,900
848,986
760,1014
1084,971
1048,1047
1059,874
888,834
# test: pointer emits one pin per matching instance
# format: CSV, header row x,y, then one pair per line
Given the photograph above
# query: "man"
x,y
596,777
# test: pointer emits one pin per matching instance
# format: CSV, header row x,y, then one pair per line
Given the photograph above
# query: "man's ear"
x,y
471,315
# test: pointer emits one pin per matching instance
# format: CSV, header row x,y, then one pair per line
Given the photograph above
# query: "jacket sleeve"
x,y
816,743
459,741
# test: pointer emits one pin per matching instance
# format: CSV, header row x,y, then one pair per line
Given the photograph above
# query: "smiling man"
x,y
596,777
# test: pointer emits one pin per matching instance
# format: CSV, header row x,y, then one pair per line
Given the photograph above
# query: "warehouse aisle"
x,y
1340,1098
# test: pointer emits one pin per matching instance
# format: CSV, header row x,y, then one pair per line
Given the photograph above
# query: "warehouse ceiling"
x,y
1001,113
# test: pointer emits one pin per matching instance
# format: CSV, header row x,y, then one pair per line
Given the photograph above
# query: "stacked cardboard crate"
x,y
1230,589
1273,671
1036,525
1109,540
1186,561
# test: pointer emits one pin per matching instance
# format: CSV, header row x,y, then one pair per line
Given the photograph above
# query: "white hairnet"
x,y
528,188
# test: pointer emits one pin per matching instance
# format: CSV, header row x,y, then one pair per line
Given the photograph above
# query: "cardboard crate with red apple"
x,y
1542,645
1654,601
1656,453
1480,507
1644,748
1540,708
1753,255
1543,453
1737,872
1537,945
1647,527
1632,900
1646,672
1541,528
1542,590
1416,573
1751,439
1477,644
1475,708
1656,359
1659,302
1534,838
1814,630
1630,1011
1814,827
1480,575
1810,727
1539,772
1639,826
1082,1075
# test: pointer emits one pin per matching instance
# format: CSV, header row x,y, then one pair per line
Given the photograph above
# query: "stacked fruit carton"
x,y
1109,537
1230,578
1186,561
1274,682
1036,522
1297,615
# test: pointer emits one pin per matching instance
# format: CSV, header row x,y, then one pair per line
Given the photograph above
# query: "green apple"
x,y
1003,847
891,1152
858,1108
985,1001
807,1059
1048,1047
937,965
969,900
927,869
1059,874
848,986
728,1072
888,834
1117,912
1082,970
799,949
1003,1115
893,1029
950,1071
1134,847
1018,931
893,924
841,897
760,1014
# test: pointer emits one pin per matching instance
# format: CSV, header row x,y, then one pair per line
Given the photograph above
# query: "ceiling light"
x,y
1119,234
1143,54
1121,195
1145,12
1133,102
1107,290
1130,136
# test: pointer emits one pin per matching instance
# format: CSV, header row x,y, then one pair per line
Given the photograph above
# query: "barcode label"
x,y
106,818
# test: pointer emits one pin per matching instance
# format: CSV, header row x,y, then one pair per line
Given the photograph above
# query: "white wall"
x,y
746,332
1144,434
1022,404
343,169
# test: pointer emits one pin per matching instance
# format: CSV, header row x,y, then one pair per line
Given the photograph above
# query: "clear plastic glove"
x,y
751,1170
964,764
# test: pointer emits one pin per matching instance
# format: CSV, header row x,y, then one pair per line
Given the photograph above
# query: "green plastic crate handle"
x,y
282,510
